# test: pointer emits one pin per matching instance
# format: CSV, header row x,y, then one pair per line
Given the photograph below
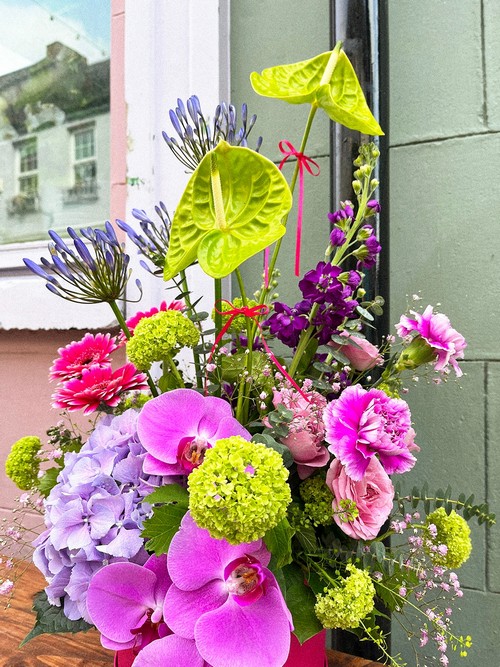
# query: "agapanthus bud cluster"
x,y
195,136
155,238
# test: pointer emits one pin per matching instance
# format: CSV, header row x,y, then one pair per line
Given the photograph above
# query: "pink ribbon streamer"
x,y
253,313
312,167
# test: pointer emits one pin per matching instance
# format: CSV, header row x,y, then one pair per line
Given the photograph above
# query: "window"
x,y
26,198
84,186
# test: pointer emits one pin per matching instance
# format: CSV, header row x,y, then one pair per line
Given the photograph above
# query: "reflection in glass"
x,y
54,119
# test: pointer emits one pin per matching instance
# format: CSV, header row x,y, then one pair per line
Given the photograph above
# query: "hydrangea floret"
x,y
240,490
22,464
452,532
345,605
160,336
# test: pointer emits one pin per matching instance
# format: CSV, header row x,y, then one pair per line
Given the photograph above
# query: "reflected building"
x,y
54,145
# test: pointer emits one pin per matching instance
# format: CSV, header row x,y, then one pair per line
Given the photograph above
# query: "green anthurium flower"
x,y
327,81
231,209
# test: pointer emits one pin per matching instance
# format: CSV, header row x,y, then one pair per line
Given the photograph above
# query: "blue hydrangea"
x,y
94,514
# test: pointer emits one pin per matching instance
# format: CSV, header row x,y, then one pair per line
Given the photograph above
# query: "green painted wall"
x,y
444,190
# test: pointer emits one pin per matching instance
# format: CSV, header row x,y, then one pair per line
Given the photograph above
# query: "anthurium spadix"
x,y
327,81
231,209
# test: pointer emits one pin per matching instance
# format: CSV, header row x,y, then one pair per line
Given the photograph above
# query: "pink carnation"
x,y
98,385
306,429
435,328
373,496
133,321
361,424
89,351
361,353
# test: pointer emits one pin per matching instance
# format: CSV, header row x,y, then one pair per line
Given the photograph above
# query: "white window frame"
x,y
21,175
74,193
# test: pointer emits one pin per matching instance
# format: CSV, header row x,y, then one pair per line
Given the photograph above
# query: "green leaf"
x,y
231,209
338,93
300,600
162,526
51,619
170,493
279,542
48,481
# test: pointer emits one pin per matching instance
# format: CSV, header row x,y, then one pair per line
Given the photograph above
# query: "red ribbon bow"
x,y
304,162
253,313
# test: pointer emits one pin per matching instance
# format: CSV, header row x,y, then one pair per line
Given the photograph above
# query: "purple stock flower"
x,y
337,237
94,514
346,211
177,427
125,603
373,205
367,253
361,424
321,285
223,590
287,323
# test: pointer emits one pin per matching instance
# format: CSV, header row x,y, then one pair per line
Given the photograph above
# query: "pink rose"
x,y
306,429
361,353
373,496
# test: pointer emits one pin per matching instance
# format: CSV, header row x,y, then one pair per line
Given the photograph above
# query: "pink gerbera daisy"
x,y
78,355
98,385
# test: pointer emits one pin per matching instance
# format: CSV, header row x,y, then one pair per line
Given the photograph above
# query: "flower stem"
x,y
192,311
168,363
123,325
242,407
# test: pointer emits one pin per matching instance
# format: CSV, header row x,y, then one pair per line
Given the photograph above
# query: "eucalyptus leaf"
x,y
231,209
337,92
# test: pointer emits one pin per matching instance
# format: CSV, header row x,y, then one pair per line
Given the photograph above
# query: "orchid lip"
x,y
191,452
245,580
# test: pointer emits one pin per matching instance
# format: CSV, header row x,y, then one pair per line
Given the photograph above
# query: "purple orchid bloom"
x,y
224,590
177,428
125,602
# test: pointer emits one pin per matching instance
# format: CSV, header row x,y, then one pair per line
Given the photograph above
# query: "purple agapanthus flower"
x,y
361,424
94,514
177,428
287,323
125,603
224,590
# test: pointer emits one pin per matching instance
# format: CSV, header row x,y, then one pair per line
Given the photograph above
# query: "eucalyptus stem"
x,y
123,325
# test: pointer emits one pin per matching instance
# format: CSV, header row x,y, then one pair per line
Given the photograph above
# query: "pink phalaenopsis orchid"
x,y
125,603
98,385
446,344
221,590
91,350
177,428
361,424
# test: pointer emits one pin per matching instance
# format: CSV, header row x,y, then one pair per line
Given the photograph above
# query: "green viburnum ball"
x,y
22,464
453,531
349,603
240,490
317,499
160,336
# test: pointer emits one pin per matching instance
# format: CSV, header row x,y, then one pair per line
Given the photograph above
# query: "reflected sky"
x,y
27,26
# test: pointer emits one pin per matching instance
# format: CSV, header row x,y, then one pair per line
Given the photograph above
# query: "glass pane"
x,y
54,116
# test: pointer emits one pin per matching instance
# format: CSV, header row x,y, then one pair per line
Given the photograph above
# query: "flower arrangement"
x,y
221,512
